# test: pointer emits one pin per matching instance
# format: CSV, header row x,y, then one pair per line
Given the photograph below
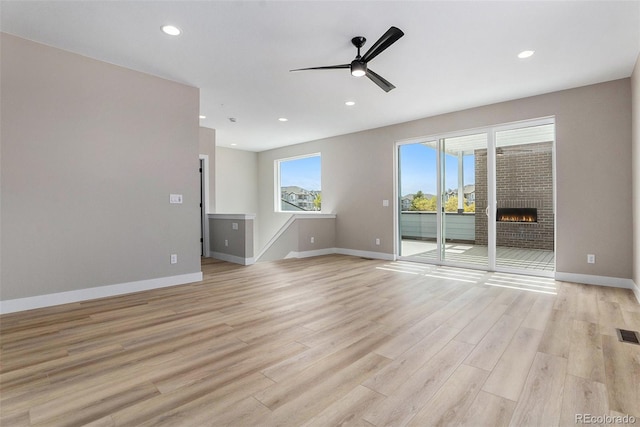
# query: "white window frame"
x,y
277,186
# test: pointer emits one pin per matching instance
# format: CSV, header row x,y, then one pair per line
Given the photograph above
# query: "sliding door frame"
x,y
490,211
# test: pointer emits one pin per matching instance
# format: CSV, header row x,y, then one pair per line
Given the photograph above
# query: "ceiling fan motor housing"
x,y
358,68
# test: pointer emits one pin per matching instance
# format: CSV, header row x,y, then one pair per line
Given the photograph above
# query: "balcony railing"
x,y
422,226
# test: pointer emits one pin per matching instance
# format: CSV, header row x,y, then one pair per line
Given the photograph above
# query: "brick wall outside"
x,y
523,180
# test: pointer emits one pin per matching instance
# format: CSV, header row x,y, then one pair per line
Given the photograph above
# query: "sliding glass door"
x,y
464,237
438,207
479,199
419,225
525,220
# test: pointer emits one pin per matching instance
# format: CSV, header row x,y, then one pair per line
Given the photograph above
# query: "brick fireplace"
x,y
524,183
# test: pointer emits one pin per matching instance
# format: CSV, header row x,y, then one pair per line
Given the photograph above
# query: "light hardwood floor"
x,y
326,341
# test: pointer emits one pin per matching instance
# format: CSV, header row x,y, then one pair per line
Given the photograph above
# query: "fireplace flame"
x,y
517,218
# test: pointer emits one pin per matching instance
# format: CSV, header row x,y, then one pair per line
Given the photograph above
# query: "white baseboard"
x,y
40,301
588,279
365,254
308,254
232,258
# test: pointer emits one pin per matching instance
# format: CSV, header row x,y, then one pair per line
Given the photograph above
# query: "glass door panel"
x,y
418,183
524,198
463,199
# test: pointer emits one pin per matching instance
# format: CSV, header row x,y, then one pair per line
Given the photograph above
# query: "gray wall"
x,y
593,165
90,154
236,186
635,87
323,232
239,240
236,190
357,174
286,243
297,238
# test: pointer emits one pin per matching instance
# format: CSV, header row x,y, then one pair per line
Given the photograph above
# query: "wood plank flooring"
x,y
326,341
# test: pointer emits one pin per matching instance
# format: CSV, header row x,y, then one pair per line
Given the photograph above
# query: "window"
x,y
298,184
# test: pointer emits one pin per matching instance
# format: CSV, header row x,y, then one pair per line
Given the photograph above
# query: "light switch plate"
x,y
385,203
234,225
175,198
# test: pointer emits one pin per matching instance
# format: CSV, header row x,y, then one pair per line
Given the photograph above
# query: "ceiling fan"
x,y
359,65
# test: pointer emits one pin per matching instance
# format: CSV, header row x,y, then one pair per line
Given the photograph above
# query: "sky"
x,y
418,170
303,172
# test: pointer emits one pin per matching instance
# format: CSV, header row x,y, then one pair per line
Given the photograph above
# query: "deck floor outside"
x,y
463,253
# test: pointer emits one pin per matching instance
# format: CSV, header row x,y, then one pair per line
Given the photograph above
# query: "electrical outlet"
x,y
385,203
234,225
174,258
591,259
377,241
313,239
226,242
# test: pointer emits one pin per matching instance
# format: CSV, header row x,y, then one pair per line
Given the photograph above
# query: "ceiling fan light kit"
x,y
359,65
358,69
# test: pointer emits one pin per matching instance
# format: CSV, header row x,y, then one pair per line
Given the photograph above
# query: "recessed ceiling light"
x,y
350,103
233,144
203,117
283,119
171,30
526,54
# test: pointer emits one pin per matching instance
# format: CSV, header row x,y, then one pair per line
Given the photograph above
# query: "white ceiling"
x,y
454,55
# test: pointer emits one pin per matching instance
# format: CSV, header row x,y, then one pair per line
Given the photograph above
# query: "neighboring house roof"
x,y
287,206
297,190
293,189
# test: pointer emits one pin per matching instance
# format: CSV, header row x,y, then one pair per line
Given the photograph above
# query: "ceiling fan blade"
x,y
380,81
328,67
390,37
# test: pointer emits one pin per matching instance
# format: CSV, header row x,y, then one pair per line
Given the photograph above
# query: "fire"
x,y
517,218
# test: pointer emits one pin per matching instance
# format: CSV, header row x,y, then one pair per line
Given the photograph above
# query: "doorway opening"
x,y
204,205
